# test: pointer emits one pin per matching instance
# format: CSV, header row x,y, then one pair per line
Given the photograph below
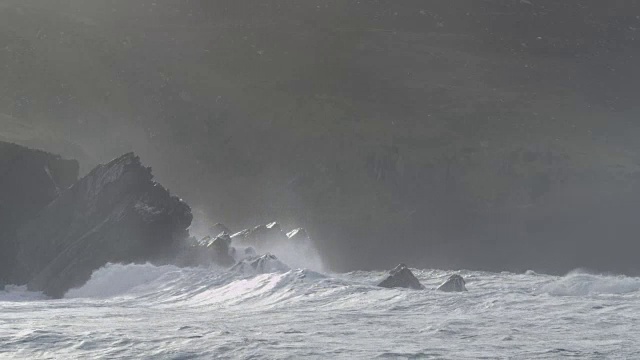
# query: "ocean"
x,y
164,312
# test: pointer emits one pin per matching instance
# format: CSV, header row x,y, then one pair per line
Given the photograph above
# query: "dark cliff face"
x,y
29,181
116,213
462,133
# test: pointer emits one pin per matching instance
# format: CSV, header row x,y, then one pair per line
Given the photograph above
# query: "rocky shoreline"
x,y
57,229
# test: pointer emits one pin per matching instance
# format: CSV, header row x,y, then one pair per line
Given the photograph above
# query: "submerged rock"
x,y
29,181
114,214
401,277
455,283
264,264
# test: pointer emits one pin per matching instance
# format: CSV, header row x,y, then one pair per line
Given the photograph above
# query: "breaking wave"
x,y
580,283
265,307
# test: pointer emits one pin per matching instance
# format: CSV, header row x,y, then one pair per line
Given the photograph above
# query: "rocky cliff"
x,y
29,181
116,213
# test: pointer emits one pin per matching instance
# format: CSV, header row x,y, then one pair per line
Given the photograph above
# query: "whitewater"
x,y
165,312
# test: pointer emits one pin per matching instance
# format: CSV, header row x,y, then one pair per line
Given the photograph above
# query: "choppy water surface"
x,y
143,311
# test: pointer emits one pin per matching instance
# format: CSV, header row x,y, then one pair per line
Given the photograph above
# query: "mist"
x,y
485,135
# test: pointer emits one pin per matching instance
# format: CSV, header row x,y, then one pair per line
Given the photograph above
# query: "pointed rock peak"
x,y
240,234
222,240
401,277
128,158
274,225
217,229
116,213
455,283
262,234
298,234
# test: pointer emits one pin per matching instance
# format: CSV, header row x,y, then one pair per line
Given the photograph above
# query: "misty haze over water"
x,y
492,139
482,134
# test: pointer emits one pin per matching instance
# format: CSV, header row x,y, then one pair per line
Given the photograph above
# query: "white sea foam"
x,y
19,293
579,283
146,311
117,279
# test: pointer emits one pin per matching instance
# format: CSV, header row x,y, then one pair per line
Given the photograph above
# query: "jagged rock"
x,y
208,251
220,250
455,283
205,241
217,229
402,277
114,214
261,235
266,263
29,181
240,235
299,234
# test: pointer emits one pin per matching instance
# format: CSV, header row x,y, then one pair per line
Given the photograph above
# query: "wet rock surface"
x,y
116,213
401,277
221,251
455,283
217,229
299,234
261,235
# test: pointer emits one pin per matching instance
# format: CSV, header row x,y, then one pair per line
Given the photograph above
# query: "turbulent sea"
x,y
144,311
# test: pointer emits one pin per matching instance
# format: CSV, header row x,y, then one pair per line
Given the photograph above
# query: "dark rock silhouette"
x,y
221,251
401,277
266,263
206,252
261,235
217,229
455,283
114,214
29,181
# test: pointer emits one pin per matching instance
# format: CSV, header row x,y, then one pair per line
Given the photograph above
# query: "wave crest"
x,y
579,283
117,279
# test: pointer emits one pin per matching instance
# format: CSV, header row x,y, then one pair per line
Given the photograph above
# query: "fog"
x,y
479,134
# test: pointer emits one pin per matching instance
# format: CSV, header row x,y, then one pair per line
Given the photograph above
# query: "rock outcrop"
x,y
114,214
261,235
266,263
207,251
217,229
455,283
299,234
29,181
401,277
221,251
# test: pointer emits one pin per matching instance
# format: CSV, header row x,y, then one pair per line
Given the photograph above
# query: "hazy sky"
x,y
484,134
